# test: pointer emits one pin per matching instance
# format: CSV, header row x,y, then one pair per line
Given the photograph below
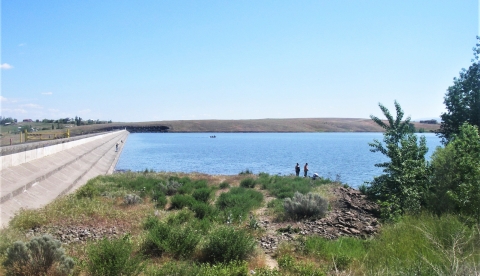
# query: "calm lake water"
x,y
346,155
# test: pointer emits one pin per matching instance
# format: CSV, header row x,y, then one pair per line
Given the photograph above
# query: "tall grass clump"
x,y
180,201
202,194
40,256
285,187
239,201
239,268
226,244
425,245
340,253
178,236
247,183
305,206
113,257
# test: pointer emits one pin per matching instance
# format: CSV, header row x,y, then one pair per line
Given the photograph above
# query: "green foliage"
x,y
160,199
179,201
462,100
177,236
113,257
288,264
284,187
202,194
246,171
224,185
226,244
203,210
88,190
247,183
424,245
402,188
206,269
238,201
456,174
342,251
39,256
305,206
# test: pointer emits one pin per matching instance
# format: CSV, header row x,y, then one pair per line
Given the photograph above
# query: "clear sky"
x,y
154,60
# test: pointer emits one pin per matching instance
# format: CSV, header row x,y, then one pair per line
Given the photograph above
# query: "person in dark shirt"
x,y
297,170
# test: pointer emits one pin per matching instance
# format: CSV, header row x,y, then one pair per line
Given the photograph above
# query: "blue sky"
x,y
180,60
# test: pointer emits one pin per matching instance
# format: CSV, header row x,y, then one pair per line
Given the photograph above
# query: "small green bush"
x,y
113,258
202,194
206,269
39,256
246,171
203,210
178,240
88,190
160,199
238,202
224,185
226,244
287,263
247,183
179,201
305,206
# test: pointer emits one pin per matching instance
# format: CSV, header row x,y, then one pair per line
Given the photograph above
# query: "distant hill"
x,y
259,125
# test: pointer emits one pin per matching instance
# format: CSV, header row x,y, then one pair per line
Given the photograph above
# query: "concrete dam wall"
x,y
32,175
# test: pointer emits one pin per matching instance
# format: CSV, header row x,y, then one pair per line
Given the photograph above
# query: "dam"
x,y
34,174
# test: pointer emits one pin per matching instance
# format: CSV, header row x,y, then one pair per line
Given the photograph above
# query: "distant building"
x,y
432,122
27,120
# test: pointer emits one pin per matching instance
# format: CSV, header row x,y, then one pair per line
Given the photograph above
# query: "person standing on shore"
x,y
297,170
305,170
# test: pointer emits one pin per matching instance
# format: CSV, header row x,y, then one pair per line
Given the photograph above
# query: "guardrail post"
x,y
26,135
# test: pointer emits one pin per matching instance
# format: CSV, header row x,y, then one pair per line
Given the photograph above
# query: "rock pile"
x,y
72,234
351,215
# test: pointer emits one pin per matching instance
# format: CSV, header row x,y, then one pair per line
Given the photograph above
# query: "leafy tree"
x,y
456,174
462,100
402,187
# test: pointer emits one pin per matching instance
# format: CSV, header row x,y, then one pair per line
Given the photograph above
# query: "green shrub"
x,y
160,199
455,183
224,185
88,190
285,187
202,194
182,268
39,256
247,183
180,201
113,257
246,171
287,263
178,235
424,245
226,244
131,199
239,201
203,210
305,206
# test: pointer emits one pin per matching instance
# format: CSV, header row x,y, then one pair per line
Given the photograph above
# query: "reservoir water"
x,y
345,156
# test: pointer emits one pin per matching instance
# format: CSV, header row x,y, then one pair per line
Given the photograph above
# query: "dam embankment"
x,y
34,174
